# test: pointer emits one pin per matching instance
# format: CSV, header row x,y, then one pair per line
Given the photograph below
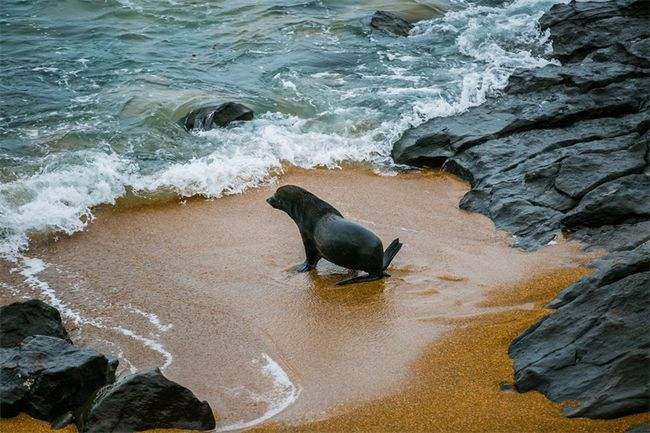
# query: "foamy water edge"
x,y
64,196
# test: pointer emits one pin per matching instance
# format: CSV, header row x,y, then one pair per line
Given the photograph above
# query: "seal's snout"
x,y
273,202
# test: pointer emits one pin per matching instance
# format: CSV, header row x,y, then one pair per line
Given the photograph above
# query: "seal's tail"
x,y
389,255
391,251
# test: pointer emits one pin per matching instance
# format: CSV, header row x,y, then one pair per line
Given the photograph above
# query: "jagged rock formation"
x,y
566,148
390,23
142,401
594,348
220,116
24,319
47,377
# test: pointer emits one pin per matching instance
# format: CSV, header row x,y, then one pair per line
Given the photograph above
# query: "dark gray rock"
x,y
62,421
594,349
206,118
579,28
443,137
566,148
145,400
579,174
390,23
534,155
608,270
614,202
24,319
620,237
47,377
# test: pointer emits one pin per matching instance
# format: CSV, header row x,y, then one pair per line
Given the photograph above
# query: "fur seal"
x,y
326,234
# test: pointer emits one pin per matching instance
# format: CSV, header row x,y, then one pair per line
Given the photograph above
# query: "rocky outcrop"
x,y
596,347
24,319
145,400
206,118
47,377
566,148
390,23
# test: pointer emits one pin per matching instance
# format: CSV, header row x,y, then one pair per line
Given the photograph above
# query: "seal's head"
x,y
298,202
286,197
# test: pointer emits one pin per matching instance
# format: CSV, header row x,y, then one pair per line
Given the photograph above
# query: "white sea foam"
x,y
153,319
281,395
45,69
152,344
59,198
31,267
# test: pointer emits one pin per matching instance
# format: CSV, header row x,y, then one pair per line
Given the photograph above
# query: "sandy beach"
x,y
205,289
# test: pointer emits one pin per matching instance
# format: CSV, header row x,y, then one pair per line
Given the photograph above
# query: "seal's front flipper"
x,y
311,253
362,279
305,266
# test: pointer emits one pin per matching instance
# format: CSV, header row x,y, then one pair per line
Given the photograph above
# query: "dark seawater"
x,y
92,92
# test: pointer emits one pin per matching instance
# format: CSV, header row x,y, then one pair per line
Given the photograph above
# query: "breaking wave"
x,y
348,106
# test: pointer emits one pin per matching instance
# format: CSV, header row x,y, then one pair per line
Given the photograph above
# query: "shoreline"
x,y
370,325
463,411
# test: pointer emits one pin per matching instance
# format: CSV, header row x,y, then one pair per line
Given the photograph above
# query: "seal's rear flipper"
x,y
362,279
391,252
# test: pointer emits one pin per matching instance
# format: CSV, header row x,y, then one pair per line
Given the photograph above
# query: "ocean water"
x,y
92,92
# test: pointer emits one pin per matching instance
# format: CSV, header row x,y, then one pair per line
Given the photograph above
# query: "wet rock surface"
x,y
596,347
566,148
390,23
145,400
24,319
50,379
207,118
47,377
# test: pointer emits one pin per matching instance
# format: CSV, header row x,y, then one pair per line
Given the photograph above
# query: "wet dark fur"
x,y
327,234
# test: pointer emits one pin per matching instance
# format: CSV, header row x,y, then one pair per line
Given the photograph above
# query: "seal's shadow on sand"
x,y
323,280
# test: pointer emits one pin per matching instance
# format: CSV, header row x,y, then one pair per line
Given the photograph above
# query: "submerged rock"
x,y
206,118
145,400
24,319
566,148
390,23
47,377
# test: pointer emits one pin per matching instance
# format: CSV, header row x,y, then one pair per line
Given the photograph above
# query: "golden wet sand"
x,y
456,383
424,350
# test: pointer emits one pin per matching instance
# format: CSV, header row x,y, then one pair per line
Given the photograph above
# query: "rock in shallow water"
x,y
390,23
204,119
47,377
145,400
24,319
566,147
